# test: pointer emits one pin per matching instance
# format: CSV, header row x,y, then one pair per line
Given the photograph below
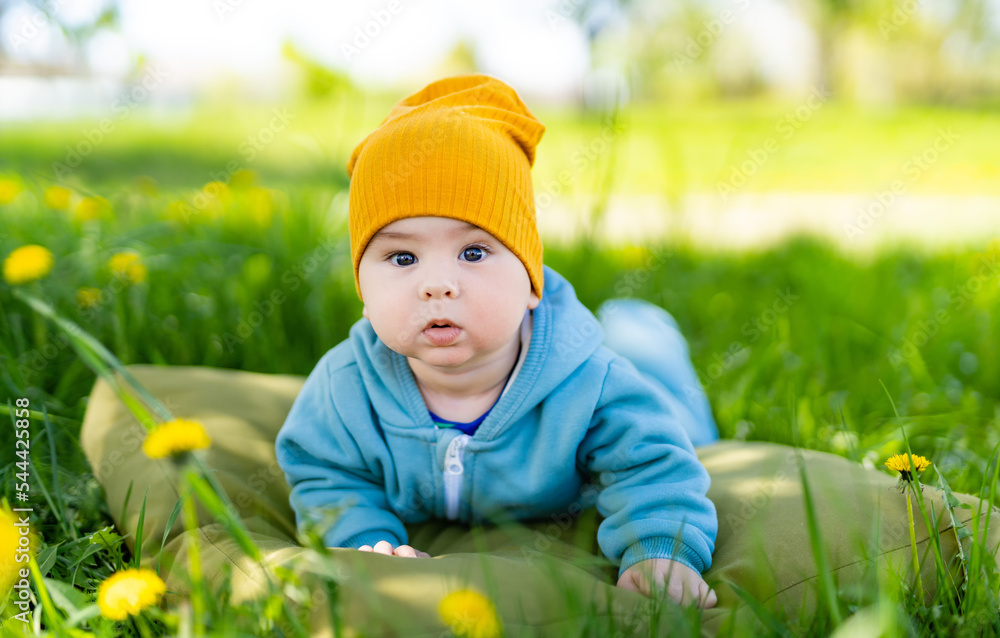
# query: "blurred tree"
x,y
682,49
318,81
46,12
867,50
896,33
461,59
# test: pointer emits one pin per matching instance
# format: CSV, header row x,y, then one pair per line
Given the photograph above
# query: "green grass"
x,y
791,342
662,149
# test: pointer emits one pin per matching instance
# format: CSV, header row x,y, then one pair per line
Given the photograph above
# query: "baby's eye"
x,y
475,253
407,259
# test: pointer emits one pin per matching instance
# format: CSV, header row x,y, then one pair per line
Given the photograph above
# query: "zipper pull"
x,y
453,457
453,470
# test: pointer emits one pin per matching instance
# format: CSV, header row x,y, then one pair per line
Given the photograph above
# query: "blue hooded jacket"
x,y
576,417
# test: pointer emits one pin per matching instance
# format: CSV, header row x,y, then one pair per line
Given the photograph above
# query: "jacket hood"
x,y
552,357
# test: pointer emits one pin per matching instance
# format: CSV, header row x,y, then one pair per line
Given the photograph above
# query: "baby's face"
x,y
424,270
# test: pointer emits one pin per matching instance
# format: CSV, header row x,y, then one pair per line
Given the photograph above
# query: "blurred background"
x,y
810,187
735,122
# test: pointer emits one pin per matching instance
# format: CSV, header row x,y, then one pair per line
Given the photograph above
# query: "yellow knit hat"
x,y
461,147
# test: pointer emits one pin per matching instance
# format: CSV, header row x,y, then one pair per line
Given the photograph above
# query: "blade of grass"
x,y
950,503
94,354
48,608
178,506
47,558
827,590
57,512
128,495
933,538
993,491
137,556
233,524
194,568
61,421
54,466
985,569
761,612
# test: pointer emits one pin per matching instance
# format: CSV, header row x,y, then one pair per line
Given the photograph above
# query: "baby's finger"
x,y
383,547
365,548
629,582
406,551
421,554
709,599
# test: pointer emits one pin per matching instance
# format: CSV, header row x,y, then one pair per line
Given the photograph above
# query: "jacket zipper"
x,y
453,470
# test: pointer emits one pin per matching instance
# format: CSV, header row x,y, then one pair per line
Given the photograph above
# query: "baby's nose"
x,y
439,287
433,292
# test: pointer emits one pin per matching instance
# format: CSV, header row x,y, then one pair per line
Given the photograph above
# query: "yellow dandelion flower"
x,y
9,189
57,197
15,539
91,208
174,438
181,211
243,178
901,463
217,190
9,536
128,592
128,266
469,613
261,208
26,264
635,256
88,297
212,200
146,185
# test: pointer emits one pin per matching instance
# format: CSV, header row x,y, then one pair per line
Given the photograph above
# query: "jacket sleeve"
x,y
654,487
333,466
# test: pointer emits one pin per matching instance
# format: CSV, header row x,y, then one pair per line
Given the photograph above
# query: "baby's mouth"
x,y
440,323
441,333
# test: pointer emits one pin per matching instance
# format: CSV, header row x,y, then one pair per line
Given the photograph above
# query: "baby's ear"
x,y
533,301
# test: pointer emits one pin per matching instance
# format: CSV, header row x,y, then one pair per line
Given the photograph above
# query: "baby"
x,y
477,387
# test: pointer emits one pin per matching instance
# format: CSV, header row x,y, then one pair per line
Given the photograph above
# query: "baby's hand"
x,y
385,547
684,586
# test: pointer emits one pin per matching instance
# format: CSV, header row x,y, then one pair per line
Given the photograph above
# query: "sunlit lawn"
x,y
808,146
810,375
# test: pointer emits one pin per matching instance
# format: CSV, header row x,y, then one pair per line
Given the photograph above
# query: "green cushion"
x,y
539,574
